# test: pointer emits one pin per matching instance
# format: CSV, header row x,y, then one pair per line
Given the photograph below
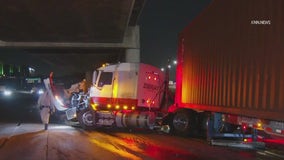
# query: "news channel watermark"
x,y
260,22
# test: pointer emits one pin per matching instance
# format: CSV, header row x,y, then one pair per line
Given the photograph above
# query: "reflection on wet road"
x,y
146,145
63,142
137,146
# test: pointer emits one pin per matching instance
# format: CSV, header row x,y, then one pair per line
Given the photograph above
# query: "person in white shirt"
x,y
46,108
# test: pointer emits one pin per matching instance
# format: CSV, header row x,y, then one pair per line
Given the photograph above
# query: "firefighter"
x,y
46,108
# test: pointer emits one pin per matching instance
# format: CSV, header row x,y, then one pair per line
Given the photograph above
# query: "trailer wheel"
x,y
86,119
183,123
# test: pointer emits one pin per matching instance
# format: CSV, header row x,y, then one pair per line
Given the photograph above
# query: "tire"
x,y
184,123
86,119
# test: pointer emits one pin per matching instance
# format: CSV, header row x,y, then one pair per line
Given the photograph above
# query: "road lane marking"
x,y
274,154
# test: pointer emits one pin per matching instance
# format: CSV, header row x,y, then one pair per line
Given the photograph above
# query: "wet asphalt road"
x,y
19,114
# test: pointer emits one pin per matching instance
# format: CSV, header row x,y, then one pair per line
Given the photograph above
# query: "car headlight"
x,y
7,92
40,91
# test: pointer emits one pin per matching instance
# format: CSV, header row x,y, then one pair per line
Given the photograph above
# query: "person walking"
x,y
46,108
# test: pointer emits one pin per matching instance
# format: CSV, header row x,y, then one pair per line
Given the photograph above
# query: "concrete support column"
x,y
132,55
132,44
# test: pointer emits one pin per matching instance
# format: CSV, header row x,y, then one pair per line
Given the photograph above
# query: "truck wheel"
x,y
184,123
86,119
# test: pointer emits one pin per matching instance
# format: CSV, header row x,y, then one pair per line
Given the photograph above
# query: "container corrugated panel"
x,y
231,59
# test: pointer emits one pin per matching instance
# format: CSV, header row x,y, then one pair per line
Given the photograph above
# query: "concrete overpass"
x,y
58,31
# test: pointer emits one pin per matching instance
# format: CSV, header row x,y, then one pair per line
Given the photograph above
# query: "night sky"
x,y
160,23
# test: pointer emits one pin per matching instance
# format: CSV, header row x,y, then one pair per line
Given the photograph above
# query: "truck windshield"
x,y
105,79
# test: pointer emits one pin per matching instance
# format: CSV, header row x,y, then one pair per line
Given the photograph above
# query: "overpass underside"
x,y
54,30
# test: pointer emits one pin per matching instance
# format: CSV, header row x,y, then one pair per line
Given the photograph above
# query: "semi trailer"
x,y
230,67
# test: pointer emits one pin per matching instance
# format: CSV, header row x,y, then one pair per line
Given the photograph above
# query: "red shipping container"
x,y
230,59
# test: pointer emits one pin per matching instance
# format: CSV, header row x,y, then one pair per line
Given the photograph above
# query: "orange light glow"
x,y
117,107
248,140
105,64
112,149
148,101
94,106
108,106
125,107
133,108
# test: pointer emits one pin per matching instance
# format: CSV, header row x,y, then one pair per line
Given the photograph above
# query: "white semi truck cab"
x,y
122,95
